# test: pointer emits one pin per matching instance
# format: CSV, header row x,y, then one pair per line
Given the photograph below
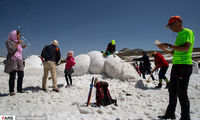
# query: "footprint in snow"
x,y
99,111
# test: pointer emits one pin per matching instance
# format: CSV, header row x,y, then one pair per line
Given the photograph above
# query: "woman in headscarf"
x,y
14,61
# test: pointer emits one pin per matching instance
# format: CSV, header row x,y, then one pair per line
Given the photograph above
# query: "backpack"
x,y
103,97
47,52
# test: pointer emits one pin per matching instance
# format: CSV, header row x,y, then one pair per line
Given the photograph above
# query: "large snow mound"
x,y
117,68
82,64
93,62
96,62
33,65
33,61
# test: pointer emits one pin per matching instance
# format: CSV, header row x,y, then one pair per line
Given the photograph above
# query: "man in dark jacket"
x,y
51,56
146,65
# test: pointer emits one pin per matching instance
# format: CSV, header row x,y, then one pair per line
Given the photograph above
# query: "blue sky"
x,y
87,25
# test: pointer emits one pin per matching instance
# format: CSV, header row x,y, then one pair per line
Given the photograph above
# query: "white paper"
x,y
157,42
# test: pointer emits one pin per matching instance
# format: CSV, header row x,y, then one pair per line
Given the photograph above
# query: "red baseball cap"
x,y
173,19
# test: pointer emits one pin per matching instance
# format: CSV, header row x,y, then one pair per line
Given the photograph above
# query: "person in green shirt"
x,y
181,69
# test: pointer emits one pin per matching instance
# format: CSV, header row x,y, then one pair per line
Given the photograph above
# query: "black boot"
x,y
159,85
167,86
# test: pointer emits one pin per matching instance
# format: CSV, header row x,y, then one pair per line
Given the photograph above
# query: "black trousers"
x,y
146,70
178,86
70,79
20,75
162,72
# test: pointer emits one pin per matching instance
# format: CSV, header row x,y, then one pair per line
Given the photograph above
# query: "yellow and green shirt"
x,y
181,57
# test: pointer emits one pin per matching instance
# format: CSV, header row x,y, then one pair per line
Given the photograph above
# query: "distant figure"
x,y
51,56
146,65
161,63
141,67
4,62
14,61
110,48
137,68
68,67
181,69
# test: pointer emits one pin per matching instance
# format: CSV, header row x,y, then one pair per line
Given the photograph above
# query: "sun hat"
x,y
55,42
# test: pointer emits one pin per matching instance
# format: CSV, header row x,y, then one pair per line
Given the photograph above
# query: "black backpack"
x,y
47,52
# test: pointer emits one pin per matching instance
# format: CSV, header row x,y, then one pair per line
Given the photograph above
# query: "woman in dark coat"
x,y
14,61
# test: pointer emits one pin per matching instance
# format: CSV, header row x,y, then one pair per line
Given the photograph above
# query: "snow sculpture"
x,y
96,62
117,68
33,65
82,64
33,61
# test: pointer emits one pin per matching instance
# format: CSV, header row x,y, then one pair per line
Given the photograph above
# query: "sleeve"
x,y
158,61
71,62
189,36
43,51
140,59
10,47
108,47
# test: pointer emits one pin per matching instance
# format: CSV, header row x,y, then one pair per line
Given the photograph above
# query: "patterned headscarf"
x,y
13,36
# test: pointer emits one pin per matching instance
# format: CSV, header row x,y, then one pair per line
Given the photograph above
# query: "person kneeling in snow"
x,y
110,48
103,97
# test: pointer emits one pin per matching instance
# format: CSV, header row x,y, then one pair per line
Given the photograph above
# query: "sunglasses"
x,y
170,26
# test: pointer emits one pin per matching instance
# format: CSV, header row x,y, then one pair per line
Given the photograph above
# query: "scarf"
x,y
13,37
